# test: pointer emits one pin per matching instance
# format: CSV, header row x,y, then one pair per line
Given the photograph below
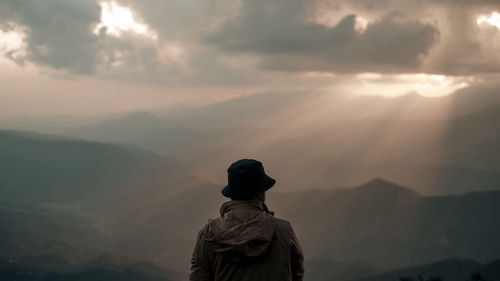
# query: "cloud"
x,y
467,48
464,48
62,35
281,32
255,41
58,33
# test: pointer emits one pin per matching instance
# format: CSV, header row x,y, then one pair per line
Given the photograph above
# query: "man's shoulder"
x,y
282,222
204,230
283,226
212,226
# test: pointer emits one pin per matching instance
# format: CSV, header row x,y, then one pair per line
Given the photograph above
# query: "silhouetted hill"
x,y
492,269
435,145
136,123
327,269
247,111
378,224
45,233
47,168
383,188
119,263
384,225
125,200
448,270
261,107
145,130
103,268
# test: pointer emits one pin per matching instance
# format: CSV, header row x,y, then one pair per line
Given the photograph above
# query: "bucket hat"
x,y
246,177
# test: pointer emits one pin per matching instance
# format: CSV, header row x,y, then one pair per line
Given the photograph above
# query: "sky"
x,y
86,57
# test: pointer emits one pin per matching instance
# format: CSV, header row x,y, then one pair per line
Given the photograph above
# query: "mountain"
x,y
51,124
124,200
434,157
252,110
327,269
451,269
156,215
28,229
447,270
59,193
437,146
105,268
376,226
384,225
145,130
47,168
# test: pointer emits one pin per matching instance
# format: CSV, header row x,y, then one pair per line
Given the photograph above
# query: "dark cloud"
x,y
58,33
415,4
402,36
385,46
464,48
281,32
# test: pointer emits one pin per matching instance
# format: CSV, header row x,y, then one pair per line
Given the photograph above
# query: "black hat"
x,y
246,177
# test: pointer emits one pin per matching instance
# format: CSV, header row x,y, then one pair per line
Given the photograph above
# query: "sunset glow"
x,y
493,19
10,40
396,85
11,44
117,19
360,24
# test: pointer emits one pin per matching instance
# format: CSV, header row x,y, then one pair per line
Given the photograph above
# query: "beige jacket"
x,y
247,243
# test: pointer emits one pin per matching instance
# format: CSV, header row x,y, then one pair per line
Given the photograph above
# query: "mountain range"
x,y
451,269
435,145
102,268
380,224
141,186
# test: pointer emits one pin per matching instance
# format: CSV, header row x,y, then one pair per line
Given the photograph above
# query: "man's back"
x,y
247,243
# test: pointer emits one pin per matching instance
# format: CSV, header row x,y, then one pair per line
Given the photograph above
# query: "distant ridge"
x,y
383,224
47,168
104,268
449,270
384,186
137,118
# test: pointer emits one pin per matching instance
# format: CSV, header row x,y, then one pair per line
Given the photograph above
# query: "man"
x,y
247,242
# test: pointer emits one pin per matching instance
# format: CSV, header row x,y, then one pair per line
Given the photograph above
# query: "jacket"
x,y
247,243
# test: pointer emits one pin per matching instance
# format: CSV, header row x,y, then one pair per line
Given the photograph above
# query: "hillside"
x,y
451,269
53,169
384,225
111,198
380,225
145,130
437,146
103,268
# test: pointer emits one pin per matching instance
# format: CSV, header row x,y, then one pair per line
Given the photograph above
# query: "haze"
x,y
97,57
379,120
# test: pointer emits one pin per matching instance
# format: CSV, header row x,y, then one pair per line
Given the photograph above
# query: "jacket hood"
x,y
244,231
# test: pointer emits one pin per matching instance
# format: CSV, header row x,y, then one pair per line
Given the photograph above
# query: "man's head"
x,y
247,180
